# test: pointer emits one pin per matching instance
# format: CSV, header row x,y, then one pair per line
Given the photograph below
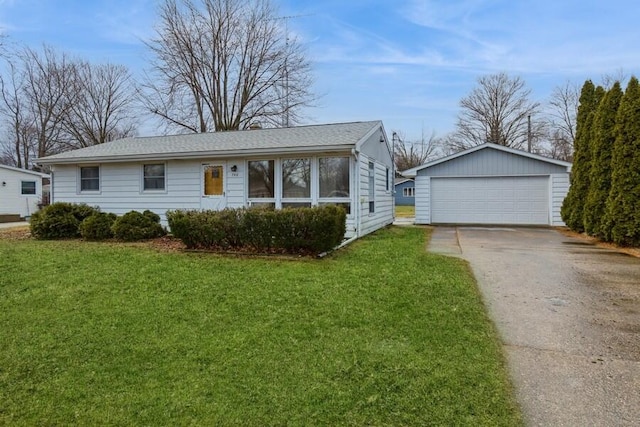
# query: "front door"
x,y
213,187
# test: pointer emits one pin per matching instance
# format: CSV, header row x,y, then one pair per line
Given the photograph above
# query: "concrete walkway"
x,y
568,314
13,224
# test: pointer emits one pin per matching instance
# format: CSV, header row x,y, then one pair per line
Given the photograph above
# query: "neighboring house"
x,y
405,192
490,184
20,191
347,164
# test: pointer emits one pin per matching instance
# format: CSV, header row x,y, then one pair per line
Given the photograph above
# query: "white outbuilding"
x,y
491,184
20,191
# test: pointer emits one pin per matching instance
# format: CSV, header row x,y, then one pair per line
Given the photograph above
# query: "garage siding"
x,y
491,162
559,190
423,198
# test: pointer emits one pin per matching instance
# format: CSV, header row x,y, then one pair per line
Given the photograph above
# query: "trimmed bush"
x,y
304,230
134,226
60,220
98,226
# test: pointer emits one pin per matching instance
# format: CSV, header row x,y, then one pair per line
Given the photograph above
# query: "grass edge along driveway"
x,y
380,333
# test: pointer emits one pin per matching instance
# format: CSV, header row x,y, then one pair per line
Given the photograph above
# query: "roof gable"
x,y
487,146
339,136
25,171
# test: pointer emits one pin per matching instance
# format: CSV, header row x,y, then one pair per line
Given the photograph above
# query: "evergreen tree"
x,y
622,218
602,143
573,206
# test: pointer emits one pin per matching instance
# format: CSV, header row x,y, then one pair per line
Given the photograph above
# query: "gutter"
x,y
253,152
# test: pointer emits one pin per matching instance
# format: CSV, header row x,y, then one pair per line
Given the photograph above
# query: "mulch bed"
x,y
582,236
161,244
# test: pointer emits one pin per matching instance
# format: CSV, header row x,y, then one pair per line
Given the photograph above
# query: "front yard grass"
x,y
380,333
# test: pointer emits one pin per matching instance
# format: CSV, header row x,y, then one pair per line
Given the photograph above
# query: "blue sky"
x,y
406,62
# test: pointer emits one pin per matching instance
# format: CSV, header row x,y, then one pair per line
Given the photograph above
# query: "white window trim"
x,y
314,199
277,172
35,194
79,180
371,193
316,182
409,192
165,190
282,199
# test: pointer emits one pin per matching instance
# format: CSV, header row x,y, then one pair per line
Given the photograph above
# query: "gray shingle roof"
x,y
245,142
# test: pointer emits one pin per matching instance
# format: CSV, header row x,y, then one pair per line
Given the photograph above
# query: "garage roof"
x,y
411,173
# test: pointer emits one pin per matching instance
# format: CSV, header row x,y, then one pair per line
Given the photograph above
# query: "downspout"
x,y
341,245
356,196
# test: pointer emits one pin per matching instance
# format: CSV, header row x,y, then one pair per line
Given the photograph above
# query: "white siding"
x,y
492,162
236,186
12,201
423,199
559,190
383,211
121,188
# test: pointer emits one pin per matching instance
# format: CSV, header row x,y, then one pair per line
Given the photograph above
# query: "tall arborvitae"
x,y
603,139
573,206
622,218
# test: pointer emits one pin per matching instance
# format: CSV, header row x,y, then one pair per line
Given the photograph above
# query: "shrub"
x,y
304,230
152,216
60,220
134,226
98,226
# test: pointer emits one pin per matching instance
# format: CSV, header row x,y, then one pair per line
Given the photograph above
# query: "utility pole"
x,y
285,70
529,133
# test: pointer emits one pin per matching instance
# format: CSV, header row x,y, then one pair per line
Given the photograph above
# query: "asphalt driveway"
x,y
568,313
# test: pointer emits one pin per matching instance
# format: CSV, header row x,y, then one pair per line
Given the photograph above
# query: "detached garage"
x,y
490,184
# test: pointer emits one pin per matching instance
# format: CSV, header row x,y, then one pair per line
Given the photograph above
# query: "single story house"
x,y
405,192
491,184
347,164
21,191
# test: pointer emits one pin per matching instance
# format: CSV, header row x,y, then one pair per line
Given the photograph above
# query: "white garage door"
x,y
495,200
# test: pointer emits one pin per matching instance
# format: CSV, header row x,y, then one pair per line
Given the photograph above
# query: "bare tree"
x,y
409,154
224,64
50,103
609,79
19,141
562,124
48,79
103,105
497,111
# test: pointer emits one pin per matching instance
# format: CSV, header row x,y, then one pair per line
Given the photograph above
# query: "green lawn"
x,y
405,211
380,333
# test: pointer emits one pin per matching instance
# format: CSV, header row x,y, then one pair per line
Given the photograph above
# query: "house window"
x,y
153,177
409,192
334,177
261,179
372,187
388,180
334,182
28,187
296,179
90,178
